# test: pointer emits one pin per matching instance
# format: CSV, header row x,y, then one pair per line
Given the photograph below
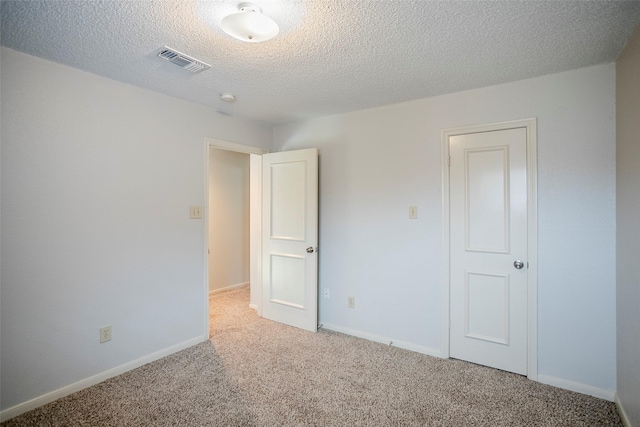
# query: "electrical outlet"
x,y
351,302
195,212
327,293
105,334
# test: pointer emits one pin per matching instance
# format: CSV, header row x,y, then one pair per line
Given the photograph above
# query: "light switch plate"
x,y
195,212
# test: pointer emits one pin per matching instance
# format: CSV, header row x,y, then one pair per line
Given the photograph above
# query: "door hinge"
x,y
449,161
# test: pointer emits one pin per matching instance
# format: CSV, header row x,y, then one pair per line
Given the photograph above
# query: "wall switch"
x,y
105,334
413,212
327,294
351,302
195,212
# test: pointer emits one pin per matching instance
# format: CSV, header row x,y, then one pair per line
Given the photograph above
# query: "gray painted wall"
x,y
375,163
97,180
628,223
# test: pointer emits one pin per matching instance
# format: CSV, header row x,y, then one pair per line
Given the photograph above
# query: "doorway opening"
x,y
232,221
228,220
228,217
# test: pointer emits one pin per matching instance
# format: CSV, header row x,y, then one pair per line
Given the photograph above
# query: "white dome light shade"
x,y
250,25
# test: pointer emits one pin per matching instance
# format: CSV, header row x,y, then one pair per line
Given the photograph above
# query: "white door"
x,y
290,238
488,244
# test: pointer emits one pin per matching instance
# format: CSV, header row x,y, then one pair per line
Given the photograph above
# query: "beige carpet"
x,y
259,373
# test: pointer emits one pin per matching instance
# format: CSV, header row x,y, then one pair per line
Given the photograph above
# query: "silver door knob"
x,y
310,250
518,264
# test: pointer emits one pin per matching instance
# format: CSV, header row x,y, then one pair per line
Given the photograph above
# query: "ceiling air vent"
x,y
182,60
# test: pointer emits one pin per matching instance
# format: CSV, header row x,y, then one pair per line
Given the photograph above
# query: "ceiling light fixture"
x,y
249,24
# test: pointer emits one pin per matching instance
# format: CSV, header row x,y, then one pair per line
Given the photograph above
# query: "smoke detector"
x,y
228,97
182,60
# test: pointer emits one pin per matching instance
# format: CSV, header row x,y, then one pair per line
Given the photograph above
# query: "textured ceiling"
x,y
331,56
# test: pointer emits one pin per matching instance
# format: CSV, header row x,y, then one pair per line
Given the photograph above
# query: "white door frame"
x,y
255,238
532,234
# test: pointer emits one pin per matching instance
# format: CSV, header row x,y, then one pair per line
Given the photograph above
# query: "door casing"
x,y
532,226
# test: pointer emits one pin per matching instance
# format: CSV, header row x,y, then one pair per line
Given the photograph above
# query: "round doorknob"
x,y
518,264
310,250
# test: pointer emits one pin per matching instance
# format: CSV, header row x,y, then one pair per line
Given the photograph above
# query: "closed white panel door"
x,y
488,243
290,238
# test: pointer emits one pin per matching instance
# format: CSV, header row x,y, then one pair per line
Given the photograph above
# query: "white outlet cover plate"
x,y
105,334
413,212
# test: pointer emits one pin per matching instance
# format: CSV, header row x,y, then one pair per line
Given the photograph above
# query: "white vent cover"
x,y
182,60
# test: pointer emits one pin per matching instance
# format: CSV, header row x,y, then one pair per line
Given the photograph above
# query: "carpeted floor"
x,y
258,373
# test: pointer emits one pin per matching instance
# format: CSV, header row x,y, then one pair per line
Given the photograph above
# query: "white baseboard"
x,y
623,414
384,340
95,379
578,387
253,307
229,288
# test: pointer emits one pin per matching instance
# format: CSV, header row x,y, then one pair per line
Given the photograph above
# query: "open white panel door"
x,y
290,238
